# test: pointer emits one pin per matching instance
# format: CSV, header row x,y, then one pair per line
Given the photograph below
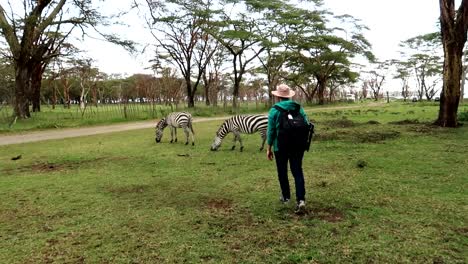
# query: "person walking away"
x,y
288,130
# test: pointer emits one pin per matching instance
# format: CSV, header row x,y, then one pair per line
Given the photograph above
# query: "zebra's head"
x,y
216,143
159,129
219,137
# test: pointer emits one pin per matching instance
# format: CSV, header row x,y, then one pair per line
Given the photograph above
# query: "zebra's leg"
x,y
193,133
186,131
241,145
175,133
172,134
263,141
236,136
237,133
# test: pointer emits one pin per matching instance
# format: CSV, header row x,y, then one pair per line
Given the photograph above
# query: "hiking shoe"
x,y
300,208
284,200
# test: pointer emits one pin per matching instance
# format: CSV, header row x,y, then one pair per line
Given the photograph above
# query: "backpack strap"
x,y
295,111
279,108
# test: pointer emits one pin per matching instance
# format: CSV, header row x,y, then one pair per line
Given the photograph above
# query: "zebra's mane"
x,y
222,128
162,124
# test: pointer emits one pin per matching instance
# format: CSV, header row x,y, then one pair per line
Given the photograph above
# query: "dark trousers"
x,y
295,162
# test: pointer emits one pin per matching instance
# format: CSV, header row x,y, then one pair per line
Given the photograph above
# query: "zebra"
x,y
238,124
176,120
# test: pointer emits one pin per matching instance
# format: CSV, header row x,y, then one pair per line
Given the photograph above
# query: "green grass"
x,y
122,198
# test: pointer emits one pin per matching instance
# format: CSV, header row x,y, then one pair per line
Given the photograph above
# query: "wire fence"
x,y
103,113
62,116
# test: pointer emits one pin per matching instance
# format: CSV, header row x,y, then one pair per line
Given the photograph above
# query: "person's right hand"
x,y
269,154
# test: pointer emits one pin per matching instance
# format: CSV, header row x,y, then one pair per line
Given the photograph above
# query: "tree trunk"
x,y
451,89
321,85
207,81
272,83
94,94
190,94
36,83
235,103
271,99
454,27
235,93
22,84
54,96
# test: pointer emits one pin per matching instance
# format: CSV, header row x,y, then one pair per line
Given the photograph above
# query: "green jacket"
x,y
273,121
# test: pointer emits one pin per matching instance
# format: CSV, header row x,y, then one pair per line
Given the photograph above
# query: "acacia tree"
x,y
324,54
283,22
239,32
402,73
454,26
305,83
88,77
376,78
290,27
422,57
212,76
33,36
178,28
209,57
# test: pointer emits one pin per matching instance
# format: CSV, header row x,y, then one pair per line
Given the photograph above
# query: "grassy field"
x,y
383,186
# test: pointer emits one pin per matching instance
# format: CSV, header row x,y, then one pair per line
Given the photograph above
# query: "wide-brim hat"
x,y
283,91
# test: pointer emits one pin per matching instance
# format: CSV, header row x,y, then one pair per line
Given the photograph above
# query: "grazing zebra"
x,y
176,120
246,124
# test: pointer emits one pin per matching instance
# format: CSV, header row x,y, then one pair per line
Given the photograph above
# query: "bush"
x,y
463,116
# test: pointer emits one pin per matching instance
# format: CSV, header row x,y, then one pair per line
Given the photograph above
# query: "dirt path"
x,y
86,131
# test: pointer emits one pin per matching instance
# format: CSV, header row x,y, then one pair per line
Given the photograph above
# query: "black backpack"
x,y
295,134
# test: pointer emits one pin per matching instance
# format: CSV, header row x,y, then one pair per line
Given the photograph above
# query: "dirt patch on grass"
x,y
425,128
357,136
219,204
462,231
329,214
341,123
326,136
376,136
405,122
48,167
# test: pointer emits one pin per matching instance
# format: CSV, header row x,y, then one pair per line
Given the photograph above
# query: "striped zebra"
x,y
238,124
176,120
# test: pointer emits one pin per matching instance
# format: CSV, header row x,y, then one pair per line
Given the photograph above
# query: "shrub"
x,y
463,116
